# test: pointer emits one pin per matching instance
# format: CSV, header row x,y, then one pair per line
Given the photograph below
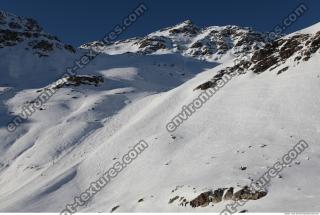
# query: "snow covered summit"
x,y
213,43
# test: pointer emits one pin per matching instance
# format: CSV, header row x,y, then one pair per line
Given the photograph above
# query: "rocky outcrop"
x,y
222,194
248,194
202,200
16,30
229,194
152,44
298,47
228,71
229,38
81,80
187,28
302,46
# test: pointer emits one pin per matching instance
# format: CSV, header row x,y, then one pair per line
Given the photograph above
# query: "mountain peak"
x,y
186,27
18,23
16,30
187,22
210,43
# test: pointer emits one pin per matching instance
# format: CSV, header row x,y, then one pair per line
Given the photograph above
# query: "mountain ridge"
x,y
210,43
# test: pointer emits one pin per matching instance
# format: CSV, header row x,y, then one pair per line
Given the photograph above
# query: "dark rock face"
x,y
187,28
290,47
44,46
173,199
247,194
276,53
314,46
201,200
205,85
15,30
220,41
70,48
80,80
152,44
228,71
249,38
114,208
299,47
268,50
263,65
221,194
282,70
9,38
217,195
14,25
196,45
229,194
32,25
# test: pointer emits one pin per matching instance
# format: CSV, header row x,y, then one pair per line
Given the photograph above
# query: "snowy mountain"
x,y
213,43
27,51
205,163
16,29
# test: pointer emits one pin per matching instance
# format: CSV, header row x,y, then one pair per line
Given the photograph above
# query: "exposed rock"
x,y
243,168
201,200
15,29
217,195
314,45
9,38
229,194
197,44
265,64
150,45
282,70
247,194
221,73
173,199
70,48
15,25
114,208
44,46
291,46
78,80
187,27
183,202
277,52
205,85
32,25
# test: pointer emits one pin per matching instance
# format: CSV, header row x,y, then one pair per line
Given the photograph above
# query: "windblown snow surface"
x,y
83,130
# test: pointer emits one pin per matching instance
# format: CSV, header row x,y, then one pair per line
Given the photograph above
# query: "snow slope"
x,y
83,130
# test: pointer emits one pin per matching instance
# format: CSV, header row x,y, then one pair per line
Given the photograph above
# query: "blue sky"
x,y
80,21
